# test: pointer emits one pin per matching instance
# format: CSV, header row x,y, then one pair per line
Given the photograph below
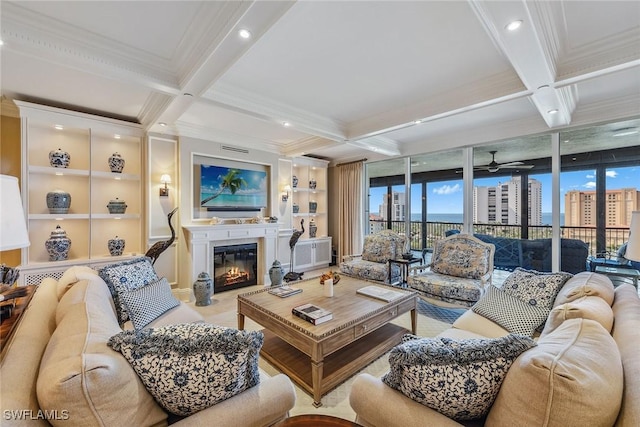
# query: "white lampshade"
x,y
13,228
165,179
633,246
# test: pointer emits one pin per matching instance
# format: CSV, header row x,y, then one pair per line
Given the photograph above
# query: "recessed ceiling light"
x,y
59,127
1,42
163,124
553,111
244,33
626,132
286,124
514,25
116,136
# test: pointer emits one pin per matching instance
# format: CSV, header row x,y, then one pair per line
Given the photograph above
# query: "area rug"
x,y
432,320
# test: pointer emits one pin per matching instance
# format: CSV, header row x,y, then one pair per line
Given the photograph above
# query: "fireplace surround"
x,y
234,266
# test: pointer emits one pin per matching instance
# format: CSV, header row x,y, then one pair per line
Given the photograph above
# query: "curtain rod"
x,y
348,163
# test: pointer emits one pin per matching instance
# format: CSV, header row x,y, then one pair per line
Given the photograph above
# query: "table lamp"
x,y
633,245
13,228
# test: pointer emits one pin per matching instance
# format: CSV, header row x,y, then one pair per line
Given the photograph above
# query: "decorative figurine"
x,y
292,275
158,247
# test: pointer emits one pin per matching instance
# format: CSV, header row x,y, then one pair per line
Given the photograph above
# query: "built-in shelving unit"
x,y
90,141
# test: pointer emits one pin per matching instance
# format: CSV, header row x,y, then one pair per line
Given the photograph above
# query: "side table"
x,y
617,274
8,326
309,420
404,267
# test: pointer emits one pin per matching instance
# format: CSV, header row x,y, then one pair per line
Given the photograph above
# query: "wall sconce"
x,y
165,179
285,193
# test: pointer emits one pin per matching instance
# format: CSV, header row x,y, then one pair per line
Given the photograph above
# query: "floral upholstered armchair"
x,y
373,263
461,266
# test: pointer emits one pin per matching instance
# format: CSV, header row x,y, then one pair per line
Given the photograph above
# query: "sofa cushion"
x,y
594,308
370,270
127,276
534,287
461,257
147,303
586,284
456,290
72,275
458,378
81,374
510,312
473,322
192,366
573,377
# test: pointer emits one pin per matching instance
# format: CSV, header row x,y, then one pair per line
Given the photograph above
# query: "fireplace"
x,y
234,266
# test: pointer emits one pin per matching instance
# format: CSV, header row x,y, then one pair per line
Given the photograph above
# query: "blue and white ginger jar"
x,y
58,202
58,245
116,163
59,158
116,246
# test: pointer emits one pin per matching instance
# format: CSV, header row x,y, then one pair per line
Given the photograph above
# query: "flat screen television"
x,y
231,188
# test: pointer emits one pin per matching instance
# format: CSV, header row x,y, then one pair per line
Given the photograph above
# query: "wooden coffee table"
x,y
319,358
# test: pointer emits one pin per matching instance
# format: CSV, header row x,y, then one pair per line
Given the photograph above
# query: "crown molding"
x,y
225,137
306,145
33,34
155,104
260,107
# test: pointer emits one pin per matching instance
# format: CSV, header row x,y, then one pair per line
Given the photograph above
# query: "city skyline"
x,y
445,197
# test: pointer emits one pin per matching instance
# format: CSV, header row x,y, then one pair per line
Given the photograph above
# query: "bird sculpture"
x,y
292,275
159,247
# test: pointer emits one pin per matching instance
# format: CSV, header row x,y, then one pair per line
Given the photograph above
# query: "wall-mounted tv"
x,y
223,185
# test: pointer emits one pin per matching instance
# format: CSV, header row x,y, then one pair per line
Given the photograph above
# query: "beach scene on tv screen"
x,y
232,188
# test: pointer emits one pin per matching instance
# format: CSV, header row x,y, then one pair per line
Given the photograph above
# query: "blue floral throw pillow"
x,y
536,288
458,378
127,276
192,366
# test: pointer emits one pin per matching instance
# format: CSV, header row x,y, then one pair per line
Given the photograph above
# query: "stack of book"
x,y
312,313
380,293
284,291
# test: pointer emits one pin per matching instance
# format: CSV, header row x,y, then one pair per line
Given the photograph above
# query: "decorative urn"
x,y
116,246
203,289
295,181
59,158
117,206
296,208
313,228
276,273
58,245
312,184
313,206
58,202
116,163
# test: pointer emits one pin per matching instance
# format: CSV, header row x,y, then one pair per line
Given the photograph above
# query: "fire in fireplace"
x,y
235,266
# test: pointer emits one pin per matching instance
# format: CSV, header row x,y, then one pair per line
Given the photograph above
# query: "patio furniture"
x,y
460,268
373,263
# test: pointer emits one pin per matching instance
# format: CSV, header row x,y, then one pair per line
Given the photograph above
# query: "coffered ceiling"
x,y
351,79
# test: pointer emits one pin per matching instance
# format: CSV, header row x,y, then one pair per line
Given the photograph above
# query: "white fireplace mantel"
x,y
202,240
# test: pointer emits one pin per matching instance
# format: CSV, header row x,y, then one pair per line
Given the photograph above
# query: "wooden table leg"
x,y
414,321
316,379
240,321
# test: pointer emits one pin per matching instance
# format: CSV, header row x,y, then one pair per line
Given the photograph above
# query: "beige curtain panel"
x,y
350,208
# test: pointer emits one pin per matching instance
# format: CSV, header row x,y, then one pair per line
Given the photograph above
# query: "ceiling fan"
x,y
495,166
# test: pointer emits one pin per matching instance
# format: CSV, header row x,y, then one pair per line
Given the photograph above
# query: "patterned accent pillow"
x,y
192,366
127,276
535,288
458,378
146,304
511,313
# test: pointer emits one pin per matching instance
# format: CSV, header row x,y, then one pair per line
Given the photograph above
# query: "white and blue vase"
x,y
58,245
276,273
295,181
117,206
313,228
116,246
116,163
203,289
59,158
58,202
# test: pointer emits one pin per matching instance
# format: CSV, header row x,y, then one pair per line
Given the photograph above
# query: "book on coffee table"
x,y
312,313
284,291
380,293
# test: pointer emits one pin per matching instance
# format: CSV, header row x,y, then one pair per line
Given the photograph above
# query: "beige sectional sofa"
x,y
58,369
585,369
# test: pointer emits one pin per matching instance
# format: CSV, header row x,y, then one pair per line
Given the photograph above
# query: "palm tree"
x,y
231,181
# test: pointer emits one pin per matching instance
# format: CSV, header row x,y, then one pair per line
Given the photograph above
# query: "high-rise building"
x,y
580,207
398,207
501,203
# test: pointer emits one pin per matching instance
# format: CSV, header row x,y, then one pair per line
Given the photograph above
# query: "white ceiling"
x,y
350,77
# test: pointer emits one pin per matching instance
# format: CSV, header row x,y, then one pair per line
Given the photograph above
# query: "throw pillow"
x,y
594,308
458,378
127,276
511,313
192,366
534,287
147,303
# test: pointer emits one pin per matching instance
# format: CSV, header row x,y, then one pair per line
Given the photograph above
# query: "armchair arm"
x,y
486,278
419,268
346,258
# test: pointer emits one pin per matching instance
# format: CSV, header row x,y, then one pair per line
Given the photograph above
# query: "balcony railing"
x,y
424,235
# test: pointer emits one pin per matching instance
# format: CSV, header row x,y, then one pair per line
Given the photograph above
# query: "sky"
x,y
446,196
